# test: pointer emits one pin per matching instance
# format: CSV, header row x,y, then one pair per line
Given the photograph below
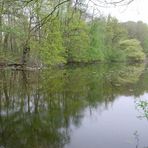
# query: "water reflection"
x,y
136,135
137,139
38,108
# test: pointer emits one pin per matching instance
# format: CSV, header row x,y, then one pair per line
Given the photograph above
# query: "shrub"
x,y
132,50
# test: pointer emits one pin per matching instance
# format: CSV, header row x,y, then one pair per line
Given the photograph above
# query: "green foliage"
x,y
51,48
97,40
114,32
138,30
132,50
76,40
115,55
143,106
58,34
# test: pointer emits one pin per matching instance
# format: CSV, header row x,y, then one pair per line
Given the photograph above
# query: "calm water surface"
x,y
95,106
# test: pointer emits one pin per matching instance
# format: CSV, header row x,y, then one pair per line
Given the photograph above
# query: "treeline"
x,y
38,32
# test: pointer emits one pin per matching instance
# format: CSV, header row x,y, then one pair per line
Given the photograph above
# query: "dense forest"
x,y
53,32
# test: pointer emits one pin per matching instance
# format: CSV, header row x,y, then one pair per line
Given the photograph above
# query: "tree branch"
x,y
45,19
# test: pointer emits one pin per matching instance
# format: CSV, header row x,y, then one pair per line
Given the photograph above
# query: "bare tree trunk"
x,y
1,31
25,55
1,22
26,48
5,44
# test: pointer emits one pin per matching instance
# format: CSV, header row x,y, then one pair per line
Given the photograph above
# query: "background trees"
x,y
37,32
138,30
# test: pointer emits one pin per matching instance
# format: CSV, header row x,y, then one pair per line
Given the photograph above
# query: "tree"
x,y
114,34
138,30
22,25
76,41
97,39
51,48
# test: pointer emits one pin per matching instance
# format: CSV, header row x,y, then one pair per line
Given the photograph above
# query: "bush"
x,y
132,49
115,55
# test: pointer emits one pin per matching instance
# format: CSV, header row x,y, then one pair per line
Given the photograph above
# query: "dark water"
x,y
95,106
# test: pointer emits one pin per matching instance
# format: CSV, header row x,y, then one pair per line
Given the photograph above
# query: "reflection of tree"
x,y
130,74
136,135
137,139
23,125
31,130
37,108
126,79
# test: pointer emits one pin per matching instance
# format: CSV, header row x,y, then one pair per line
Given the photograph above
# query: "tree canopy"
x,y
40,32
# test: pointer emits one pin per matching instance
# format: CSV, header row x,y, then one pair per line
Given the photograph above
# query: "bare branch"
x,y
45,19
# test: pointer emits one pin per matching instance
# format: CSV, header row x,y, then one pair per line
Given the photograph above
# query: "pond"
x,y
93,106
